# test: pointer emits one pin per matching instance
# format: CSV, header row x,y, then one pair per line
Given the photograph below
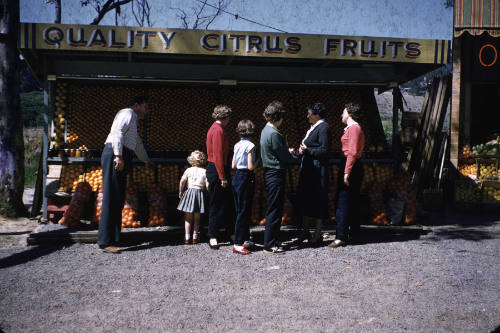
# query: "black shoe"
x,y
354,239
305,236
316,242
214,247
274,249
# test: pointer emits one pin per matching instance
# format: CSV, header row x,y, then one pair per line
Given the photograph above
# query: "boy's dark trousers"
x,y
113,195
275,187
347,214
243,189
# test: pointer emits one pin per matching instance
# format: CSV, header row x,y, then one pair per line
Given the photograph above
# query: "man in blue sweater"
x,y
275,156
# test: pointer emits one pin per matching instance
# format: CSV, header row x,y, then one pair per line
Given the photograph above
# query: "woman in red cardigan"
x,y
218,173
350,176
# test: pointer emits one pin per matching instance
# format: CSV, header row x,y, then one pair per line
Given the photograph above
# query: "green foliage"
x,y
32,108
33,139
6,210
418,86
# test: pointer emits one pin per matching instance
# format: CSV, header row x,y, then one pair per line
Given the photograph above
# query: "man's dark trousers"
x,y
113,195
275,187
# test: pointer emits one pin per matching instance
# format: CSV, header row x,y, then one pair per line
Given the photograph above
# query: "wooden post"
x,y
48,99
396,149
456,102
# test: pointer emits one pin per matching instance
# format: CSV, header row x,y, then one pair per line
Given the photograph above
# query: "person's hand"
x,y
119,163
291,151
302,149
346,179
150,165
223,183
181,194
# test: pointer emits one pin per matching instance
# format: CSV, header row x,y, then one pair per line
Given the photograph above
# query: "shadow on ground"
x,y
476,232
30,254
451,216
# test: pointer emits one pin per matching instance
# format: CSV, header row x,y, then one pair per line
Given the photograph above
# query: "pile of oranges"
x,y
168,177
143,177
156,206
86,111
71,175
468,169
131,207
59,118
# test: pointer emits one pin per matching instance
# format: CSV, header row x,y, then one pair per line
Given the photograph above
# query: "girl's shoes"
x,y
196,236
240,250
187,241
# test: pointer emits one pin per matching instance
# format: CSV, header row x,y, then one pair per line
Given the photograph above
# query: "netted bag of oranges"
x,y
401,188
157,211
79,200
98,205
411,208
131,207
377,205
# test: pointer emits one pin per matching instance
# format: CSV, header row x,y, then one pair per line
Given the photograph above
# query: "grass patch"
x,y
33,140
32,108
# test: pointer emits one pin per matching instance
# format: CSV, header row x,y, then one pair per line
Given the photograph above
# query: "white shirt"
x,y
312,128
196,177
241,150
124,133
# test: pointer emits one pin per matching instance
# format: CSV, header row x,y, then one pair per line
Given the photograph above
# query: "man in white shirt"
x,y
116,160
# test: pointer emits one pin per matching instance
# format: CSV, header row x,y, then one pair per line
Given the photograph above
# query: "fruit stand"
x,y
90,72
475,134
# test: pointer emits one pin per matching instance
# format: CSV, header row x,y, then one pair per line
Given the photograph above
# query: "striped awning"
x,y
476,17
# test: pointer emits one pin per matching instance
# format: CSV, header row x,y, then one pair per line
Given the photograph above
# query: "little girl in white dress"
x,y
193,199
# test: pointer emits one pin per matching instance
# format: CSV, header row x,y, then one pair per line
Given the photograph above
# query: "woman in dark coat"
x,y
313,180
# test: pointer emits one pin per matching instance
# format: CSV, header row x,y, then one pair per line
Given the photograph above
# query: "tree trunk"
x,y
11,125
58,11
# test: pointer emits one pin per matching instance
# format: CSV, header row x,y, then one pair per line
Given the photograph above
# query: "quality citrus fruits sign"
x,y
198,42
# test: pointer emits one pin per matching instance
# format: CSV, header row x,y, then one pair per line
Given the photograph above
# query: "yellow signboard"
x,y
230,43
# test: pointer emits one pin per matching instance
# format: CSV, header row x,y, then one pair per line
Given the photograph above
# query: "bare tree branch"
x,y
142,13
220,6
181,14
202,14
108,6
57,4
198,13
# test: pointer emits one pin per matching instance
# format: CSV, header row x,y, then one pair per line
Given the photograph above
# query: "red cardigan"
x,y
217,148
353,143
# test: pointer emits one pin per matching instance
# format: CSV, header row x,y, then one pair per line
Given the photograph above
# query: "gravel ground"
x,y
445,279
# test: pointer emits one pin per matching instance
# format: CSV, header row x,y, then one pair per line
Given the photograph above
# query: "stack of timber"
x,y
426,157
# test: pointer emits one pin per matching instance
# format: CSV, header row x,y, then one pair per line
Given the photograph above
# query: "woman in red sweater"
x,y
218,173
350,176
